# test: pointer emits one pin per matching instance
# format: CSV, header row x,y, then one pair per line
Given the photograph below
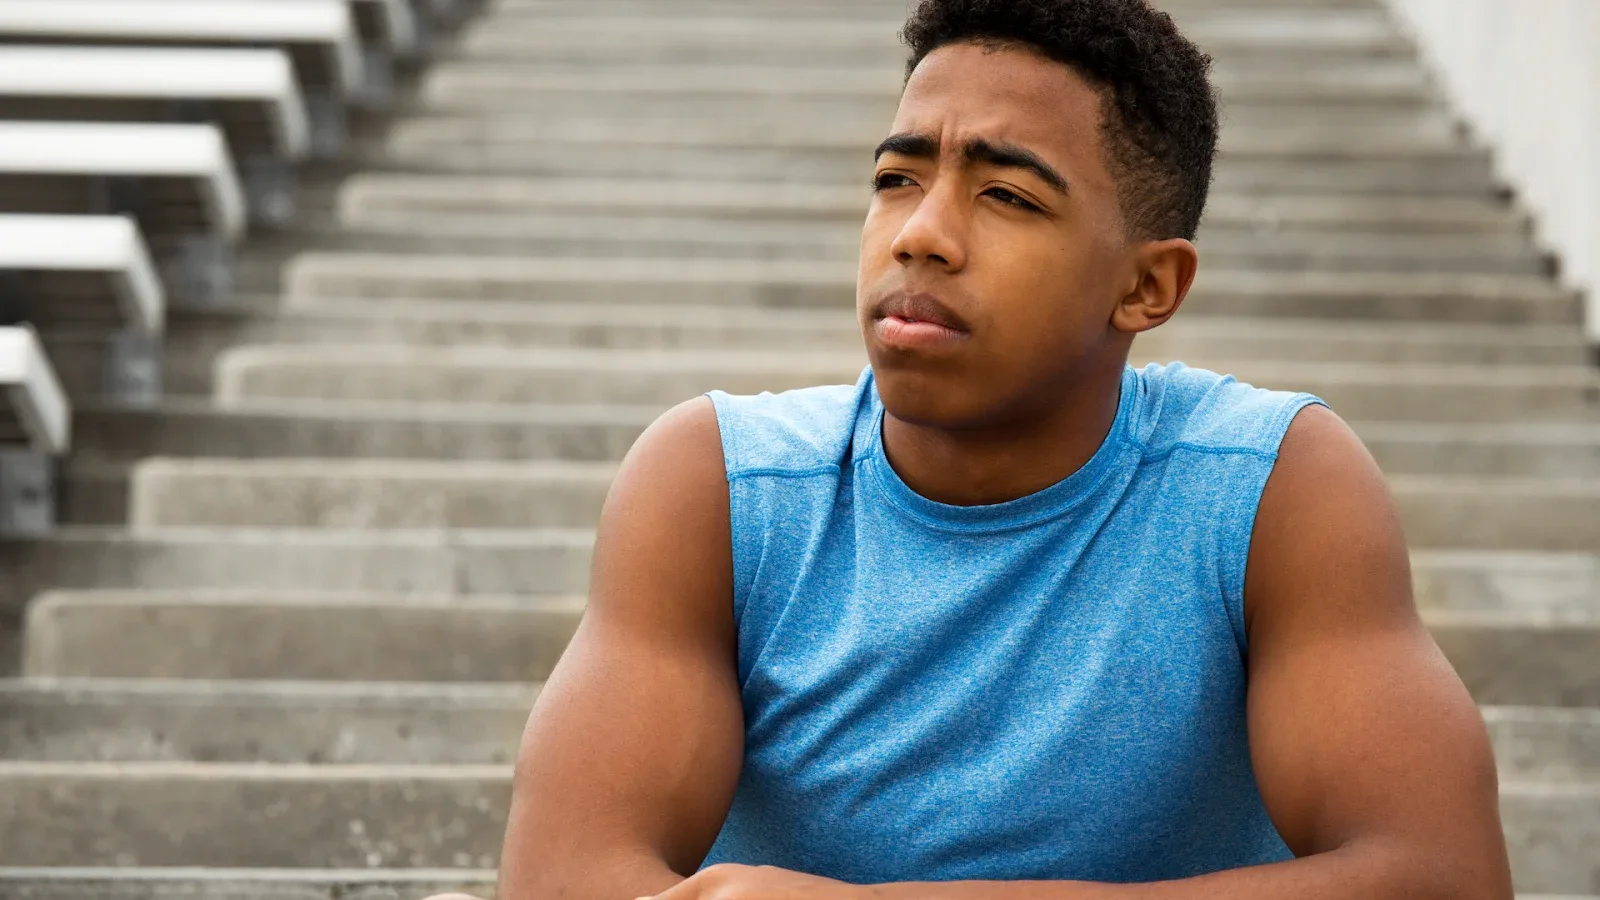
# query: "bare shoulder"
x,y
1327,524
682,447
664,531
1320,442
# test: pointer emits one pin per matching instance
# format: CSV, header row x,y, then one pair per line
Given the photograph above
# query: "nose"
x,y
935,233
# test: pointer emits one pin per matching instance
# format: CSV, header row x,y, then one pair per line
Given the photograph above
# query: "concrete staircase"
x,y
286,643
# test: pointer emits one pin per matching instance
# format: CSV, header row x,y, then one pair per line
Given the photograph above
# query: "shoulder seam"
x,y
1156,455
770,472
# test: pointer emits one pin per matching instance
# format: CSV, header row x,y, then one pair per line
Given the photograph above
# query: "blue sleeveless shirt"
x,y
1050,688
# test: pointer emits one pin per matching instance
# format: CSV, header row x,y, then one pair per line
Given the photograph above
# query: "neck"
x,y
1012,459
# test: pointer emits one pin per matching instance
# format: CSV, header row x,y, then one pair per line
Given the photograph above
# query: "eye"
x,y
1009,199
890,180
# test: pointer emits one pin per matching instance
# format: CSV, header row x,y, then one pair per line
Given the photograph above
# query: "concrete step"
x,y
296,636
698,115
1399,84
682,39
470,376
77,883
1520,449
155,814
543,235
1532,743
1427,218
432,563
501,81
473,376
833,41
167,814
1386,137
1444,176
289,722
603,160
503,234
1232,31
108,432
1516,657
781,284
1448,173
379,276
92,493
379,193
1340,79
1477,582
1437,393
1559,514
366,494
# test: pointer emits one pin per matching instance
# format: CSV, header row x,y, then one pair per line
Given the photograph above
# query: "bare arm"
x,y
1370,755
632,752
1369,752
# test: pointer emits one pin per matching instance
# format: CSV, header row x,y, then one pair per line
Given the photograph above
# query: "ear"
x,y
1163,272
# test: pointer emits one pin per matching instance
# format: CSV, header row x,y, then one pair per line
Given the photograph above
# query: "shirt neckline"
x,y
1049,503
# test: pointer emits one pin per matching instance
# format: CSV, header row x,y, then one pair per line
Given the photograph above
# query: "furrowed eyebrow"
x,y
979,151
1010,156
917,146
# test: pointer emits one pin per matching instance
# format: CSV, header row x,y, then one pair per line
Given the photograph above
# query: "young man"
x,y
1009,618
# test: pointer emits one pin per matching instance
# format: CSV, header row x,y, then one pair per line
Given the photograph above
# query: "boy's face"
x,y
994,254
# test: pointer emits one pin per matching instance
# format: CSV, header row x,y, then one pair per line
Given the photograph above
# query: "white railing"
x,y
1526,76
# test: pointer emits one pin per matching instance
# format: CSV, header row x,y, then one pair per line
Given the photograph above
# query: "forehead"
x,y
1005,93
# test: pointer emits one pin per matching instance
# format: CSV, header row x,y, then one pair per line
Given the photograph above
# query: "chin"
x,y
929,399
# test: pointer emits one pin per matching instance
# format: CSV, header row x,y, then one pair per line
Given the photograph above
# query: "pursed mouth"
x,y
919,310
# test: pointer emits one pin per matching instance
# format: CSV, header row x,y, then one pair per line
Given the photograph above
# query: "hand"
x,y
735,882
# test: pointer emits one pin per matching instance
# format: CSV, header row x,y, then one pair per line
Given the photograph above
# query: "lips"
x,y
919,308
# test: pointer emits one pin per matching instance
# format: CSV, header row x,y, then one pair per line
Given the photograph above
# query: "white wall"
x,y
1526,74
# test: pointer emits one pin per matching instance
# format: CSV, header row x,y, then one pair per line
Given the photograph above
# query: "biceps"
x,y
1366,732
634,742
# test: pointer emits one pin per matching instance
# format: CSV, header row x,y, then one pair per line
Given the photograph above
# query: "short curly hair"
x,y
1160,131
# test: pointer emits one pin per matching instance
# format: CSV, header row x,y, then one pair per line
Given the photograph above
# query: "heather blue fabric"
x,y
1050,688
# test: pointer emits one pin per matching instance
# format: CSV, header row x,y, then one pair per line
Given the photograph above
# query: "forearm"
x,y
1372,873
621,876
